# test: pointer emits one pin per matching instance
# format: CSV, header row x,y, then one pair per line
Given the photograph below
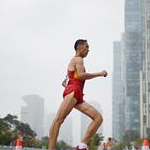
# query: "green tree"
x,y
44,141
62,145
25,129
5,132
10,127
10,119
4,126
95,141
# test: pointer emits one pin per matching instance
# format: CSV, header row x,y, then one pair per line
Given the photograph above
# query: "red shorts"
x,y
78,92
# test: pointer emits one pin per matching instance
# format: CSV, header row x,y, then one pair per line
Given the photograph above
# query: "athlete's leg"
x,y
65,108
96,117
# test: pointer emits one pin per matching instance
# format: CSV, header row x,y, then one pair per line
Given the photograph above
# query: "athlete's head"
x,y
81,47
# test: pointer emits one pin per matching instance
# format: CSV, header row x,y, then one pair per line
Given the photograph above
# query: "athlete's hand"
x,y
64,83
104,73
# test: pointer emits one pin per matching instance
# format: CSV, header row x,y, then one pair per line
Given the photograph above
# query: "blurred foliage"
x,y
127,140
95,141
10,128
62,145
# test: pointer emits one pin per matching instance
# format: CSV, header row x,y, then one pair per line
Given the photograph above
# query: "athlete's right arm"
x,y
65,82
83,75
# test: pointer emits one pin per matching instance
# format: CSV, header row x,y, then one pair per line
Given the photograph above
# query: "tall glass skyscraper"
x,y
133,63
145,74
117,93
135,72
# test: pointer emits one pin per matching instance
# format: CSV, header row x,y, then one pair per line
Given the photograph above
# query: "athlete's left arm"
x,y
83,75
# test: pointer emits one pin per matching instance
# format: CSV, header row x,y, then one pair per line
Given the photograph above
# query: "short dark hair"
x,y
79,42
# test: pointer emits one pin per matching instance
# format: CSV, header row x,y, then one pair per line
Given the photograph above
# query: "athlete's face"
x,y
84,49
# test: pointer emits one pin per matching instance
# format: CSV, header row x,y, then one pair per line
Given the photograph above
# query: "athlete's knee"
x,y
59,120
98,119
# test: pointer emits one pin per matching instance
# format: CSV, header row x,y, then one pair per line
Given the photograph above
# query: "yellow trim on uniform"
x,y
76,75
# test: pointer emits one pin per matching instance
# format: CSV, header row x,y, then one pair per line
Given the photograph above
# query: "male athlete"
x,y
73,97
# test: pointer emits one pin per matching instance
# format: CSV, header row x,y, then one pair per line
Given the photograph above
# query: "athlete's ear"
x,y
79,46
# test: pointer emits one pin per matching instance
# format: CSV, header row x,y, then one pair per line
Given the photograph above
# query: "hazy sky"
x,y
36,44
